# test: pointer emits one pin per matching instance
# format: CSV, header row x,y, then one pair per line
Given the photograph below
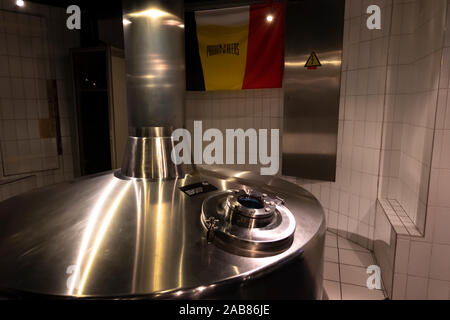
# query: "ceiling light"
x,y
20,3
151,13
269,18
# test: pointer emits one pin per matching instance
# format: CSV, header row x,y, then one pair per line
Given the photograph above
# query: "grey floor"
x,y
345,272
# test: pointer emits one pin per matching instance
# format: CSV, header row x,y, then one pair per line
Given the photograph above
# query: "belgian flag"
x,y
235,48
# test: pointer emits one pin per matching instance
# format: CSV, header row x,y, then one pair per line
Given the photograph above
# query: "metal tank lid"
x,y
107,237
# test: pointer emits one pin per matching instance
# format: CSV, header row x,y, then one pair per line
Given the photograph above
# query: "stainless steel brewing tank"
x,y
109,237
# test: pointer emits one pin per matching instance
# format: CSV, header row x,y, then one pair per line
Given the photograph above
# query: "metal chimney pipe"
x,y
155,64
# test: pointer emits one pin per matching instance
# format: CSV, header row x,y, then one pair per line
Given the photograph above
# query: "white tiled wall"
x,y
423,265
414,267
247,109
413,79
24,69
415,142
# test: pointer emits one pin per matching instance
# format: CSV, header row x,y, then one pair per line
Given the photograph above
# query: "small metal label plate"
x,y
198,188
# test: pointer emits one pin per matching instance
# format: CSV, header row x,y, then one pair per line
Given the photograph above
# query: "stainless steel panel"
x,y
311,106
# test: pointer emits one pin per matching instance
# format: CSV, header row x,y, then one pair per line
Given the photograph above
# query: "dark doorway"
x,y
90,71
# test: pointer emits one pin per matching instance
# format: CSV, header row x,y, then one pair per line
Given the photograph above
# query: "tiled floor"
x,y
345,274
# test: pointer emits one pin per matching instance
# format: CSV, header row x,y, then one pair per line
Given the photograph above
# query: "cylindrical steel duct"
x,y
155,63
155,66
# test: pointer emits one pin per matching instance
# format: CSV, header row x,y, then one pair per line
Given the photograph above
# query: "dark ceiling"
x,y
101,9
113,8
96,10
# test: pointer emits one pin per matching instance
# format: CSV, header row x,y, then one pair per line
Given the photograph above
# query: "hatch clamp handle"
x,y
211,225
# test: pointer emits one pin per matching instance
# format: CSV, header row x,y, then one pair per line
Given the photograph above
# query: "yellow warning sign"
x,y
313,62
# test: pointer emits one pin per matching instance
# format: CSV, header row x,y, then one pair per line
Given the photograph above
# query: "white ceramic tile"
x,y
419,259
5,88
440,262
4,67
351,292
333,289
438,290
354,275
331,254
441,232
416,288
347,244
342,224
12,43
332,219
442,188
331,240
355,258
445,155
331,271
